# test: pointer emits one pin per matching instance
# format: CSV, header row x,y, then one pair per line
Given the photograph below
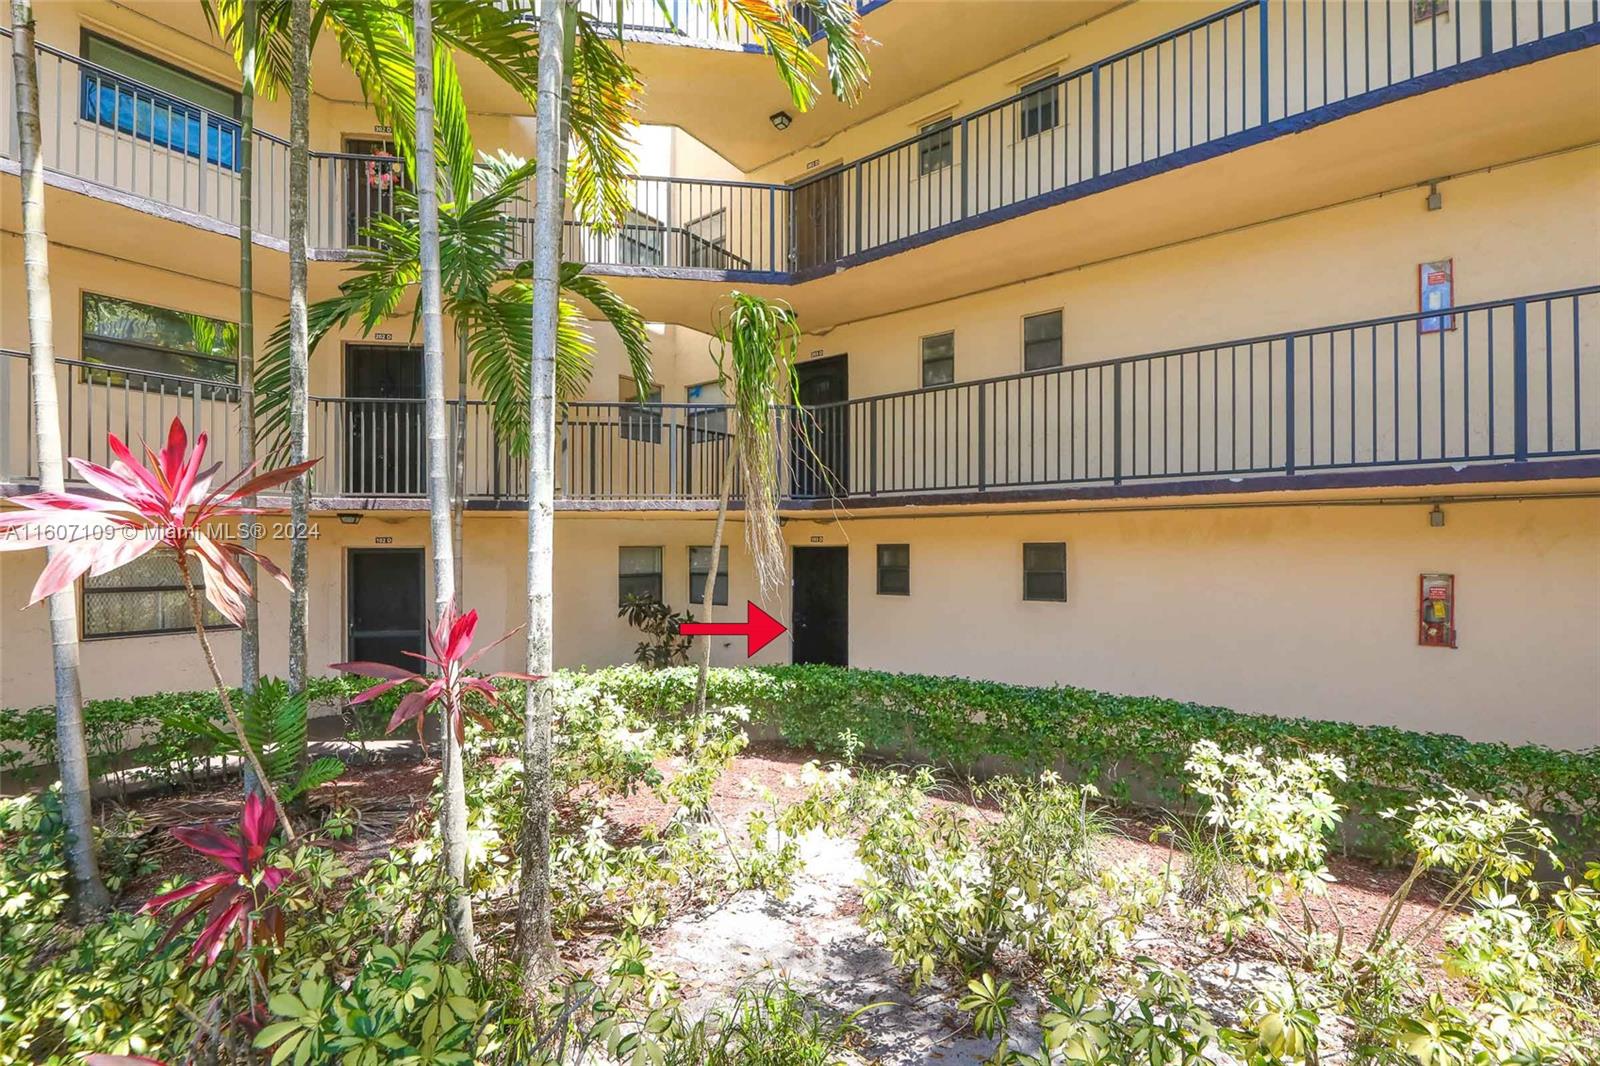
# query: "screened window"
x,y
146,596
1041,341
936,148
1037,110
642,423
134,336
699,566
161,104
938,359
638,574
894,569
1044,571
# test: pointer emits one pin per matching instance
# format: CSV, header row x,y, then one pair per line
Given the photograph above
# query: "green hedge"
x,y
1117,741
1120,741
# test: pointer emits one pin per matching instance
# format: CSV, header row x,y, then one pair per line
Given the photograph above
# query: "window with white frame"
x,y
700,566
1039,108
144,597
936,146
638,574
1041,341
938,359
1044,571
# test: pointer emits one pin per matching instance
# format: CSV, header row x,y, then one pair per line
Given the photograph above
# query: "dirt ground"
x,y
813,936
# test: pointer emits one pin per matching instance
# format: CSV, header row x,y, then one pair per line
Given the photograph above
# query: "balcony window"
x,y
638,574
938,360
936,148
151,101
144,597
1038,106
1041,341
894,569
1044,572
166,344
709,415
641,423
699,567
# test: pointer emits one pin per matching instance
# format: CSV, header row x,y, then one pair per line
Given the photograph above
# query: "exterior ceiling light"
x,y
349,519
780,120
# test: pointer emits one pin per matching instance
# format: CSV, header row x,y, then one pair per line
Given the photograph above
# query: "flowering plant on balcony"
x,y
380,175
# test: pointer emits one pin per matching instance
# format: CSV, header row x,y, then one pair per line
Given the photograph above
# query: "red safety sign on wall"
x,y
1436,611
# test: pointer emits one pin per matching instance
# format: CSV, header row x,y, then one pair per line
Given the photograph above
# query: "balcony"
x,y
1501,391
1247,73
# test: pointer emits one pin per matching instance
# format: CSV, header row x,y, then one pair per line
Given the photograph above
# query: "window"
x,y
1423,10
135,336
161,104
1041,341
1044,572
146,596
938,359
894,569
1037,108
699,565
705,243
638,574
640,423
936,148
640,240
708,416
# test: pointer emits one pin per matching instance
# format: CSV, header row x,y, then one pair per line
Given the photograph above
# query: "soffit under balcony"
x,y
724,98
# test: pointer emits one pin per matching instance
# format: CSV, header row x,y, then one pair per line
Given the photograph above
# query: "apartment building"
x,y
1241,353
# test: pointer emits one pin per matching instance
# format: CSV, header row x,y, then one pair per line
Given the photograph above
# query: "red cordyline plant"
x,y
166,503
450,640
238,900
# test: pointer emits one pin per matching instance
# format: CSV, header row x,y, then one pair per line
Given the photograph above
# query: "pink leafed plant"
x,y
450,640
168,503
238,900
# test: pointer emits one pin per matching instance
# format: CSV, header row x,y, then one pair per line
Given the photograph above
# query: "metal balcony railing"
x,y
1242,68
1504,381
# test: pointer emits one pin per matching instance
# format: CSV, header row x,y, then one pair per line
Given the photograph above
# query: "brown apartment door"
x,y
819,220
821,601
370,181
383,420
821,444
384,606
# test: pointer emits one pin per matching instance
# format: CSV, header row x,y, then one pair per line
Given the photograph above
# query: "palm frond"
x,y
604,105
617,312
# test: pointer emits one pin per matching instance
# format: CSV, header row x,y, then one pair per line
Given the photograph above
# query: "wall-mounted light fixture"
x,y
1436,517
780,120
349,518
1435,197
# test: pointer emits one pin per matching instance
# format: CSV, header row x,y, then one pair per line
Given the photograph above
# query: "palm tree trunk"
x,y
250,634
453,811
89,895
459,483
535,947
299,342
729,465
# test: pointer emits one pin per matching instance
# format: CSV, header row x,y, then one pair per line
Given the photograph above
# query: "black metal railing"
x,y
1240,68
1501,381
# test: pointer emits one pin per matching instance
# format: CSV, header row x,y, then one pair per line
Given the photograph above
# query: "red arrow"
x,y
758,628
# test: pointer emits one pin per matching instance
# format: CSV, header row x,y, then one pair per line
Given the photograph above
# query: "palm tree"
x,y
580,75
756,345
299,341
89,895
250,632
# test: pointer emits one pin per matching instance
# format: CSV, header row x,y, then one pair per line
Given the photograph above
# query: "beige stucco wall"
x,y
1298,611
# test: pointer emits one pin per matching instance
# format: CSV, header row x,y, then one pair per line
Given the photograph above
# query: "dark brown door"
x,y
373,171
821,598
821,444
384,609
383,420
819,220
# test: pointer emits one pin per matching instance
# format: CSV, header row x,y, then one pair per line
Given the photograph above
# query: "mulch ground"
x,y
388,801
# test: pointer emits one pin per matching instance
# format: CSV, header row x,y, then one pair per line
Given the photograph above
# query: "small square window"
x,y
894,569
638,574
1041,341
936,147
1044,572
938,360
699,565
1037,110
